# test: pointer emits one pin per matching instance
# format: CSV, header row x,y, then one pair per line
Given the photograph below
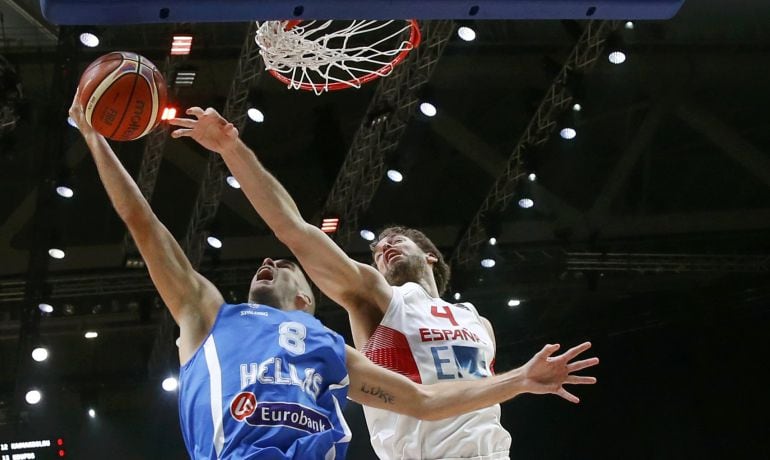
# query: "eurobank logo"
x,y
245,408
243,405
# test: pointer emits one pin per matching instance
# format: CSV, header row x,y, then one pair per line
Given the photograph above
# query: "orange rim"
x,y
414,38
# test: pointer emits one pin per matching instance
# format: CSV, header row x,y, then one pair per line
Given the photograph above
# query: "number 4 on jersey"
x,y
447,313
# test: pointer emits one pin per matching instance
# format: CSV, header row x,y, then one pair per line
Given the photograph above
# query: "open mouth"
x,y
390,255
265,274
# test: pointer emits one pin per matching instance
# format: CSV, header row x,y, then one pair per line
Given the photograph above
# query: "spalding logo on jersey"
x,y
245,408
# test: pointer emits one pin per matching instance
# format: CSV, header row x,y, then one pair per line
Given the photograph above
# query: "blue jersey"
x,y
267,384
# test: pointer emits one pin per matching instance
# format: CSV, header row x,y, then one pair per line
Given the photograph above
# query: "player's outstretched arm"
x,y
192,300
543,374
347,282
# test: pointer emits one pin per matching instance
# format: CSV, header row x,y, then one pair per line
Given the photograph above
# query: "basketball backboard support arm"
x,y
106,12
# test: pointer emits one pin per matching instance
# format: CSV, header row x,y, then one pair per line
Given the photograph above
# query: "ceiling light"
x,y
394,175
91,413
368,235
488,263
457,296
185,77
89,39
56,253
45,308
40,354
181,45
617,57
255,115
91,335
514,302
71,122
577,107
65,192
568,133
330,224
532,177
233,182
170,384
466,33
214,242
526,203
33,397
629,25
492,241
428,109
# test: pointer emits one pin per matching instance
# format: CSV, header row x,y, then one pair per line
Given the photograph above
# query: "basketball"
x,y
122,94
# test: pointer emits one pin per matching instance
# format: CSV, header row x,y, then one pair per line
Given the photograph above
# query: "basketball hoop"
x,y
324,56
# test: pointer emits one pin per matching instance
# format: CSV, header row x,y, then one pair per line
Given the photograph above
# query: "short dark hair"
x,y
441,269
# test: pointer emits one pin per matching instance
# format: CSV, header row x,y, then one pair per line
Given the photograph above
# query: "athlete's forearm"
x,y
268,197
449,399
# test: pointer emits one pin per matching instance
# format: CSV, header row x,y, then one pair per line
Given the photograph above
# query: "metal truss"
x,y
247,72
585,53
670,263
380,132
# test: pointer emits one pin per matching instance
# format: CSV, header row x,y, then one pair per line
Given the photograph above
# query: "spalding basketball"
x,y
123,95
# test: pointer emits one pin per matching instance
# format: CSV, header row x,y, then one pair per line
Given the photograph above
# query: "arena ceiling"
x,y
650,228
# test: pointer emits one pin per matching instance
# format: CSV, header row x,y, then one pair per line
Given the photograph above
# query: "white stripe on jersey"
x,y
215,386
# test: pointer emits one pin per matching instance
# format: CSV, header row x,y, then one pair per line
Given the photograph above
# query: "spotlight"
x,y
368,235
330,224
170,384
33,397
492,241
488,263
233,182
185,77
532,177
466,33
89,39
577,107
45,308
514,302
629,25
168,113
457,296
64,191
568,133
394,175
40,354
91,413
56,253
214,242
428,109
617,57
91,335
71,122
526,203
255,115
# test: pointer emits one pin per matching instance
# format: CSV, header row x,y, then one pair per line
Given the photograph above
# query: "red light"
x,y
60,442
62,453
330,224
168,113
181,44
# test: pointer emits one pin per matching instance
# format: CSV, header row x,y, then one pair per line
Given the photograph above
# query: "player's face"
x,y
399,259
276,283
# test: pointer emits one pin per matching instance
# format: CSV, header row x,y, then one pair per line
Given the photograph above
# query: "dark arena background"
x,y
640,222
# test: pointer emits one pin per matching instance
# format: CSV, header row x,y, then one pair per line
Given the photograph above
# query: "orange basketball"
x,y
122,94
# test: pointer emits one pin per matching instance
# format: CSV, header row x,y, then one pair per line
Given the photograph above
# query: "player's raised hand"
x,y
208,128
545,373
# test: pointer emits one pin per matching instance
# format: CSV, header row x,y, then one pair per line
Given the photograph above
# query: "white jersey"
x,y
430,340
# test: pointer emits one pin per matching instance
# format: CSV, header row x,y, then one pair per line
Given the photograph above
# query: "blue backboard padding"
x,y
105,12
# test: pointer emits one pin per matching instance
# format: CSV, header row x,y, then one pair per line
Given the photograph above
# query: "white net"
x,y
330,55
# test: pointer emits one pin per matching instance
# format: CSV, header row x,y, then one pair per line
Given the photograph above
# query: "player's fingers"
x,y
574,351
197,112
231,130
568,396
183,122
548,350
177,133
580,380
580,365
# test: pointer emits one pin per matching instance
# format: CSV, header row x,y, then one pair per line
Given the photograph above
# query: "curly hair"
x,y
441,271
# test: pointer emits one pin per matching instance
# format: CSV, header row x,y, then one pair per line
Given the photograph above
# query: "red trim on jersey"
x,y
389,348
